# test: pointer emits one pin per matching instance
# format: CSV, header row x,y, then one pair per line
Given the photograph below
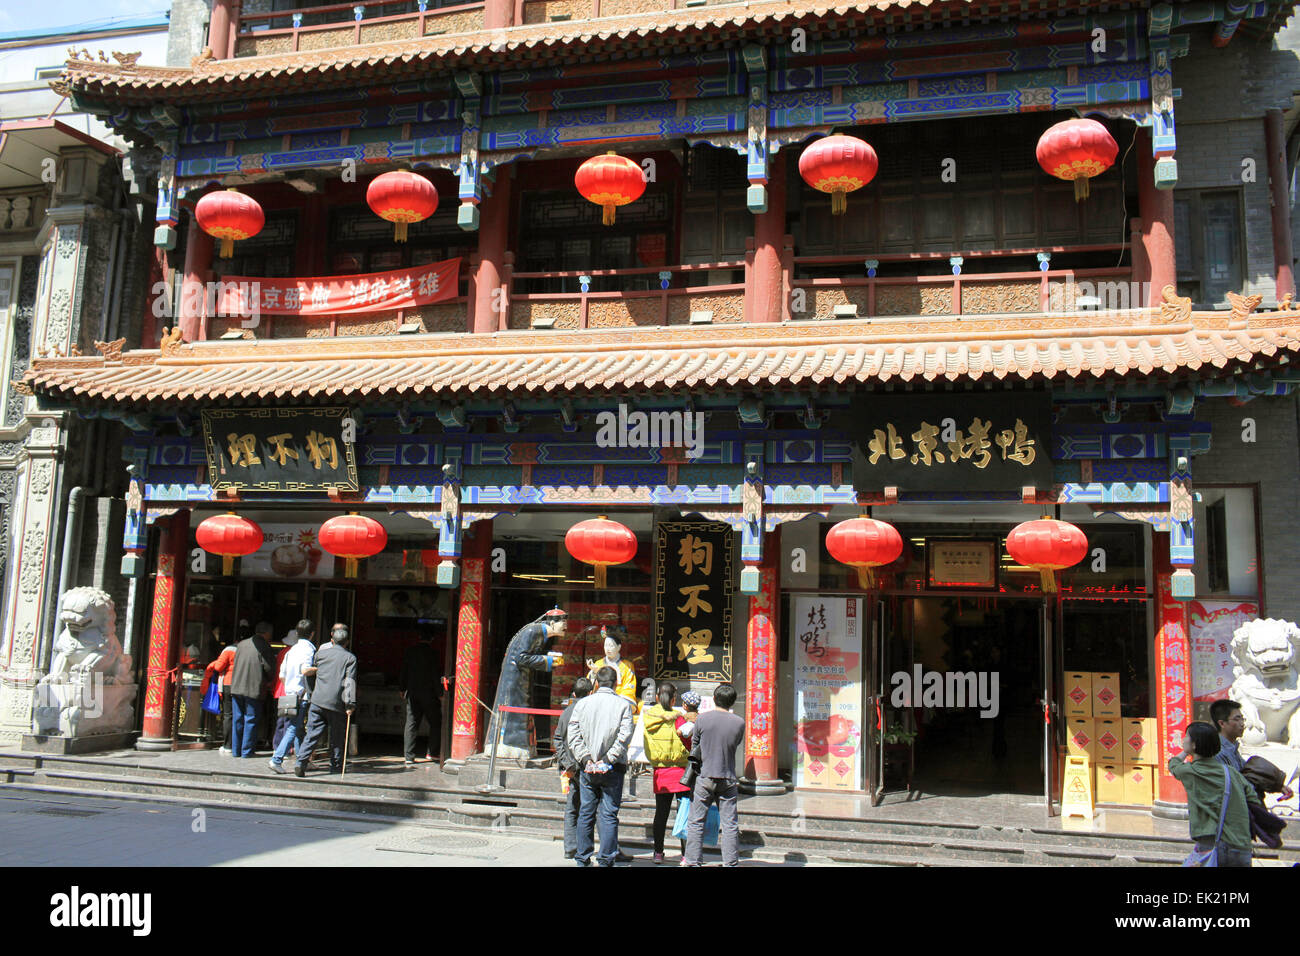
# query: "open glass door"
x,y
876,696
1053,721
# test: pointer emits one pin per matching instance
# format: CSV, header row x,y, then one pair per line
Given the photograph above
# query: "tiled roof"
x,y
529,44
1170,343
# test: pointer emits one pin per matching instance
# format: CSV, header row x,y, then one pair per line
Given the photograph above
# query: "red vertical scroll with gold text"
x,y
164,628
467,717
1173,676
762,654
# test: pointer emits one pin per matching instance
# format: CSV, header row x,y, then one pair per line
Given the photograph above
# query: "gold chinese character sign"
x,y
951,441
693,594
279,449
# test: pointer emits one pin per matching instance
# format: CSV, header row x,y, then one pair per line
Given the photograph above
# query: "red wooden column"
x,y
498,14
467,713
1156,207
765,291
1275,144
164,633
763,652
493,240
219,29
198,265
1172,679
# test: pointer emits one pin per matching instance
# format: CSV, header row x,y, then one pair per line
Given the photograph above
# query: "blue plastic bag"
x,y
212,699
712,821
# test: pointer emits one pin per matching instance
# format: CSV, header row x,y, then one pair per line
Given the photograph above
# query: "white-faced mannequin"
x,y
612,650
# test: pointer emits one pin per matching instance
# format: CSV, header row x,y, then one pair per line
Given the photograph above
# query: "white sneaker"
x,y
225,750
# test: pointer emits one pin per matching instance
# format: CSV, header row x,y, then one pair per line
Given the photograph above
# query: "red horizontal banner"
x,y
341,295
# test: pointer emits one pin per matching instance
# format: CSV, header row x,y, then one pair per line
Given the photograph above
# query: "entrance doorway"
x,y
961,681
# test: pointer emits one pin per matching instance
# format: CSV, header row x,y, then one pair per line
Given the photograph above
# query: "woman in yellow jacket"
x,y
666,735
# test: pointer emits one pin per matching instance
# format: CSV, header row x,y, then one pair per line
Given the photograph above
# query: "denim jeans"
x,y
292,736
572,807
605,789
725,793
247,710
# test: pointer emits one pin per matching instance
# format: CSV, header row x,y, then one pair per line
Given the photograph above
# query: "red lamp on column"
x,y
1047,545
228,215
610,181
838,165
230,536
352,537
865,544
600,543
1077,149
402,197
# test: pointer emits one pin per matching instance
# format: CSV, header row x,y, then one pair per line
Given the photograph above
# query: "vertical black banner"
x,y
693,591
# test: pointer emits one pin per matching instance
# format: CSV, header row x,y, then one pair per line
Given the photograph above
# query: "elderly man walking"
x,y
599,732
332,699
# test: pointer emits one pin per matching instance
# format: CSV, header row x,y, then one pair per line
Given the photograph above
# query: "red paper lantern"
x,y
352,537
609,181
1047,546
865,544
1077,150
229,215
402,198
230,536
601,542
838,165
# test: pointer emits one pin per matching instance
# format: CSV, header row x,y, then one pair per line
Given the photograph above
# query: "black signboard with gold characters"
x,y
280,449
693,591
952,441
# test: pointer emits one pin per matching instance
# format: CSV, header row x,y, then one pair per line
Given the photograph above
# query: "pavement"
x,y
94,831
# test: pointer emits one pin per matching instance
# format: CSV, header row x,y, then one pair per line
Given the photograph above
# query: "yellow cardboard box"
x,y
1078,694
1139,784
1079,740
1110,783
1105,695
1108,737
1139,740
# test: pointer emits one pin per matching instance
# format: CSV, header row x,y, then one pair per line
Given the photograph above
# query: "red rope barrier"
x,y
530,710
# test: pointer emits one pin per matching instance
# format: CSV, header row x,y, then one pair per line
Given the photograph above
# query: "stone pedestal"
x,y
83,710
66,746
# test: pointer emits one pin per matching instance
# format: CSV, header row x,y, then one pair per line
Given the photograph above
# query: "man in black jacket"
x,y
418,681
332,699
568,765
254,665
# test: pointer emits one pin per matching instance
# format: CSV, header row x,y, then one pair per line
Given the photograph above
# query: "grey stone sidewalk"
x,y
94,831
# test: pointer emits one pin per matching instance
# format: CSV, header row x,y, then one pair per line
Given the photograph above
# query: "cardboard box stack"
x,y
1122,750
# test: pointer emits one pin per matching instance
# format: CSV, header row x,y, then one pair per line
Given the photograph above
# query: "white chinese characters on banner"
x,y
827,648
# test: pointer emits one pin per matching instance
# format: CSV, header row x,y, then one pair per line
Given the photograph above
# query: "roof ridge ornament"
x,y
1242,307
1175,308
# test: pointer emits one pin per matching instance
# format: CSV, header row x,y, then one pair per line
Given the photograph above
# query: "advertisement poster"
x,y
827,647
1212,625
288,551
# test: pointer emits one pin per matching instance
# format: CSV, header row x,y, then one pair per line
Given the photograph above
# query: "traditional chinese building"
x,y
729,368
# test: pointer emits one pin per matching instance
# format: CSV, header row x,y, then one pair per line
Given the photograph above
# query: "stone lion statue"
x,y
88,688
1267,681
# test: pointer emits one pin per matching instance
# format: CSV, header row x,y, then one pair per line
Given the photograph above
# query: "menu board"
x,y
826,644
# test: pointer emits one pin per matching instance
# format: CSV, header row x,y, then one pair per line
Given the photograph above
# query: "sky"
x,y
29,14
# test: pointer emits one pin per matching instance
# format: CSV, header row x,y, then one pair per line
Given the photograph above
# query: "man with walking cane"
x,y
332,701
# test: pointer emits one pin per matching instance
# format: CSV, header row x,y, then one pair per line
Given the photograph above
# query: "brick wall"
x,y
1273,461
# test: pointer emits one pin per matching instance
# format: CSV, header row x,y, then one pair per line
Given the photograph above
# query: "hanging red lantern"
x,y
609,181
230,536
352,537
1077,149
402,198
865,544
838,165
228,214
1047,545
601,542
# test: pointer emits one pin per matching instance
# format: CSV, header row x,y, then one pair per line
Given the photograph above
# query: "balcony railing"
x,y
344,24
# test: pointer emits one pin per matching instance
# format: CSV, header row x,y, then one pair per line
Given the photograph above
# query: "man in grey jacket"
x,y
332,699
599,732
717,736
